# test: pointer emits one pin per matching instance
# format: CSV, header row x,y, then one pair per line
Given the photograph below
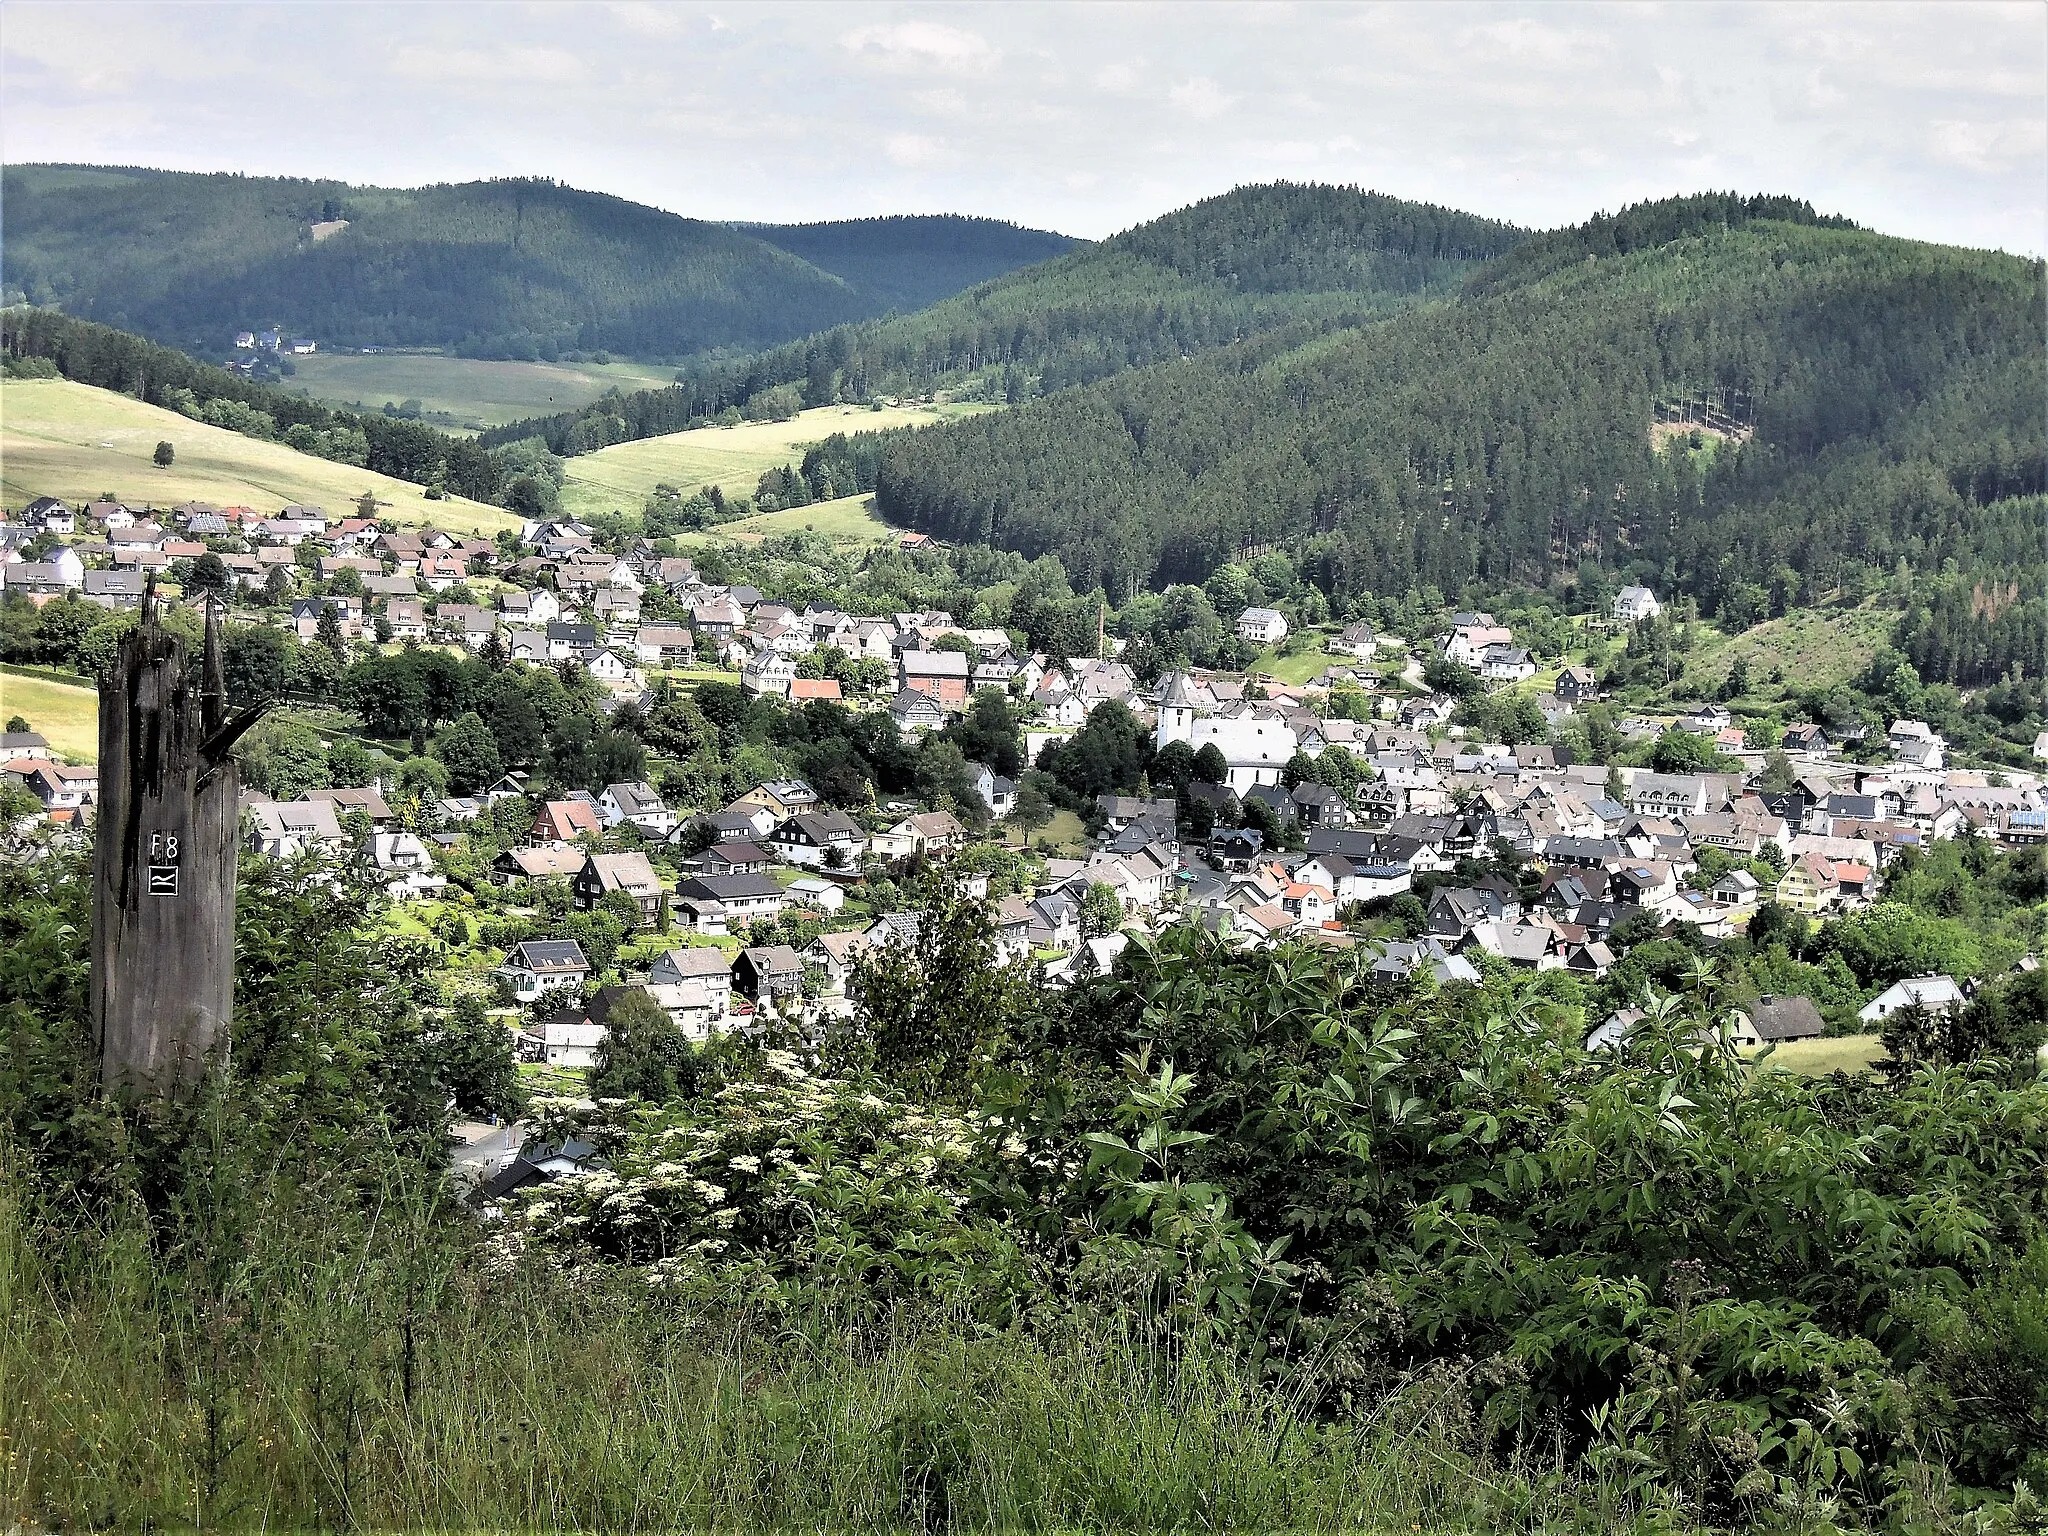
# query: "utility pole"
x,y
163,941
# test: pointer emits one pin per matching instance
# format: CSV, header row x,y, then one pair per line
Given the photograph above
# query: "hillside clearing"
x,y
1814,647
851,520
1297,668
70,440
622,477
67,715
471,393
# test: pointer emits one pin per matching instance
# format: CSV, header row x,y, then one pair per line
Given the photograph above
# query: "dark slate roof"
x,y
729,887
1786,1018
552,955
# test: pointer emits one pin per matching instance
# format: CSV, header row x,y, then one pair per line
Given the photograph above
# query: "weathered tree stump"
x,y
163,940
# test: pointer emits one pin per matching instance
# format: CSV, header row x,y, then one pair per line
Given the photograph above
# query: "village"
x,y
1340,811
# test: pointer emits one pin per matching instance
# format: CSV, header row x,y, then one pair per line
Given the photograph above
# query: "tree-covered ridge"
x,y
1893,390
502,268
1644,226
906,261
1250,260
1285,259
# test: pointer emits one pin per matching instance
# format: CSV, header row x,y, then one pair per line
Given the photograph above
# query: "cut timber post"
x,y
163,938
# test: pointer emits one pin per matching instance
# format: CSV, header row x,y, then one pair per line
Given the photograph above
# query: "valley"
x,y
1286,911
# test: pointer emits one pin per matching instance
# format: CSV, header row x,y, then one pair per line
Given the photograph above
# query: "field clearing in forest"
x,y
1813,647
621,478
476,392
850,520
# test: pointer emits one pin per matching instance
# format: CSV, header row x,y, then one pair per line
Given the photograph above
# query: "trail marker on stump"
x,y
163,938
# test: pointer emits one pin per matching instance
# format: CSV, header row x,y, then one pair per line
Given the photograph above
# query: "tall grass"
x,y
349,1363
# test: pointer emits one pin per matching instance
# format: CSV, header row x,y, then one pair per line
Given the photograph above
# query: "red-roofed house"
x,y
563,821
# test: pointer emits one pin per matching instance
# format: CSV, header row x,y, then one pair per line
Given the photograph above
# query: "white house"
x,y
720,904
1937,994
639,804
821,894
768,672
407,867
529,609
1634,604
1261,626
816,839
1916,743
281,829
701,966
613,670
537,966
1506,664
569,1039
1355,641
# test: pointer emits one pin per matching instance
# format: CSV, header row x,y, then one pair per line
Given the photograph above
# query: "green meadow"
x,y
474,392
73,441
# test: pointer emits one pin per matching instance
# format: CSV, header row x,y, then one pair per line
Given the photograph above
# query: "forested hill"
x,y
1250,260
1883,399
1298,258
906,262
500,268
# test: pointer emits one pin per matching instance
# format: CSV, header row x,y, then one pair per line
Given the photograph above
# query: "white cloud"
x,y
510,65
1116,77
1201,97
915,149
923,44
1981,146
648,19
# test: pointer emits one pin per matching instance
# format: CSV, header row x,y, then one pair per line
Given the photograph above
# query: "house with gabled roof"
x,y
914,710
639,805
819,839
779,797
769,975
282,829
535,967
554,861
563,821
1634,604
629,874
721,904
941,674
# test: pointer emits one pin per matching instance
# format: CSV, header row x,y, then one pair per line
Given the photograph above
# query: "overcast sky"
x,y
1928,120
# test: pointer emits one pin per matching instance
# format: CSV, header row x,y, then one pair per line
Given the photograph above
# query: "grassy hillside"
x,y
1811,647
849,521
63,439
465,392
66,714
515,268
621,478
1888,393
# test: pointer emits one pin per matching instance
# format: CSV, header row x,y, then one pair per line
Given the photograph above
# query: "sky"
x,y
1926,120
